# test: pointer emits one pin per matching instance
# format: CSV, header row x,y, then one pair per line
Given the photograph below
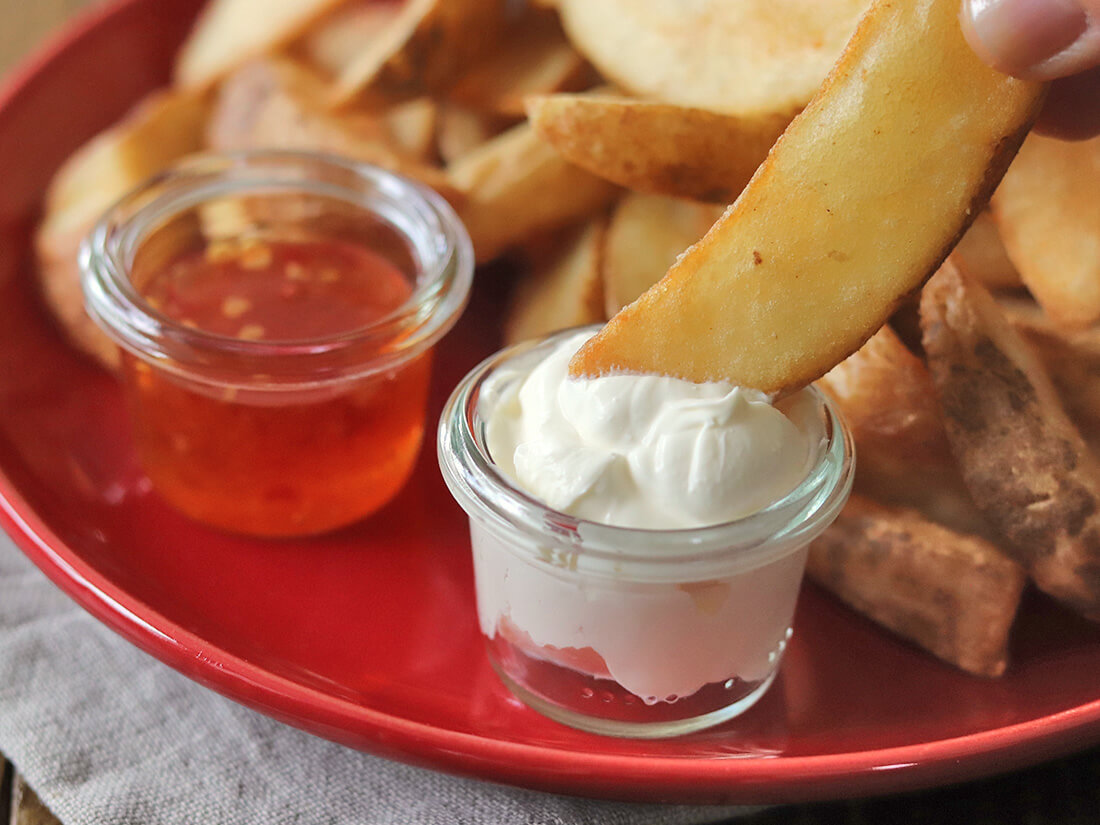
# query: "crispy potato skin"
x,y
1026,465
856,205
953,594
655,147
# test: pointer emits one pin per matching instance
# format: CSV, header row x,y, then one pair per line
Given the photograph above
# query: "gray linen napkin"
x,y
106,734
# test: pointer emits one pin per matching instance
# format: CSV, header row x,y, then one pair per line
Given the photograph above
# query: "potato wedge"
x,y
904,459
1027,467
158,131
564,290
275,103
533,57
856,205
459,130
1049,216
645,236
411,127
231,32
751,56
516,185
661,148
422,49
952,594
982,254
1070,355
333,43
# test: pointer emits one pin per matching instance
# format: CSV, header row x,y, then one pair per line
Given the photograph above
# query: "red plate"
x,y
369,637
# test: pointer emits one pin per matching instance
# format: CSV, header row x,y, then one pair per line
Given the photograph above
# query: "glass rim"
x,y
488,495
441,250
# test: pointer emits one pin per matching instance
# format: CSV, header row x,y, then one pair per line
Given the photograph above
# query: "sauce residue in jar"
x,y
273,465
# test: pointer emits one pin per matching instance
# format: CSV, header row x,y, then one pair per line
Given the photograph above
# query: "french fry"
x,y
1071,357
952,594
645,236
333,43
564,290
1049,216
422,49
274,103
752,56
231,32
411,127
516,185
856,205
661,148
981,253
158,131
904,459
533,57
459,131
1026,466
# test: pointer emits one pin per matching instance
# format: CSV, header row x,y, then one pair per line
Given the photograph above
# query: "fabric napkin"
x,y
106,734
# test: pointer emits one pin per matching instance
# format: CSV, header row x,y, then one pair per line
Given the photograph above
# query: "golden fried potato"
x,y
333,43
564,290
422,49
751,56
516,185
1027,467
859,201
159,130
646,235
276,103
1071,357
952,594
230,32
654,147
981,253
533,57
1049,217
459,130
904,459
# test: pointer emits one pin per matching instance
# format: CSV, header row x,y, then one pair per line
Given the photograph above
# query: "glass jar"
x,y
275,314
631,632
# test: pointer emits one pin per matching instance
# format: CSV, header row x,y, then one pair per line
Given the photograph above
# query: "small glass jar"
x,y
275,314
631,632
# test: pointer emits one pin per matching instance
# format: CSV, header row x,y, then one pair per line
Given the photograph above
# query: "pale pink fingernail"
x,y
1017,35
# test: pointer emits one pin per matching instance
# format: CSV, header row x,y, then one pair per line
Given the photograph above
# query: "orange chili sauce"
x,y
278,466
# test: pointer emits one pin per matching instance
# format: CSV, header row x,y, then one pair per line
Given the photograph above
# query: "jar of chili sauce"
x,y
276,314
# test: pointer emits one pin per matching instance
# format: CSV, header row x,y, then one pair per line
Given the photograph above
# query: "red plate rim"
x,y
767,779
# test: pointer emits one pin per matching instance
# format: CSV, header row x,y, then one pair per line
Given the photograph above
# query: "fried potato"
x,y
533,57
646,235
752,56
981,252
856,205
564,290
952,594
274,103
230,32
422,49
332,44
516,185
161,129
904,459
1027,467
661,148
1071,357
411,127
459,130
1049,216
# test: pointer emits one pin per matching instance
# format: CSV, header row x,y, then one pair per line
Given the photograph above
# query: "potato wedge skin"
x,y
1048,214
658,148
954,595
856,205
1027,467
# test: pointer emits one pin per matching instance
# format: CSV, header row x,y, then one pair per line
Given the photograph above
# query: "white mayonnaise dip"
x,y
643,451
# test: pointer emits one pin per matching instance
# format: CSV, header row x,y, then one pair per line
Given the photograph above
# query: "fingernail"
x,y
1017,35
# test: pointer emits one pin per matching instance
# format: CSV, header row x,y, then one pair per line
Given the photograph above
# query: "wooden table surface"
x,y
1064,792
